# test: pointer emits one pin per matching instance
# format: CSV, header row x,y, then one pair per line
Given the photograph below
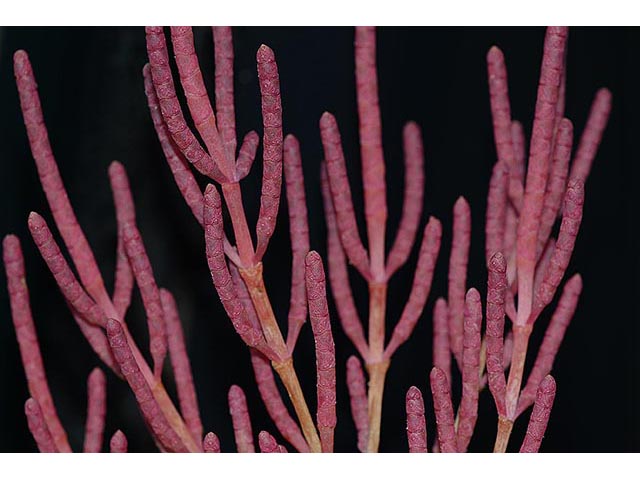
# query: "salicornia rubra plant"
x,y
525,263
523,259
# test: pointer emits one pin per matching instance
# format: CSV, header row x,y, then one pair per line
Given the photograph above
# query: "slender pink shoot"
x,y
413,198
373,171
496,210
96,411
443,409
267,443
197,97
539,416
468,411
181,366
552,340
501,115
557,183
28,340
592,135
211,443
143,273
341,195
213,231
416,422
241,421
51,181
125,213
458,274
571,219
496,290
118,443
358,399
179,166
38,427
338,275
539,165
247,155
170,107
271,148
299,233
276,408
169,435
420,288
441,350
325,349
64,277
223,51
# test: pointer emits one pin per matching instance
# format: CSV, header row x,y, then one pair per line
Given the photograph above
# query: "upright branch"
x,y
416,423
539,416
96,411
241,421
118,443
344,238
358,400
217,160
38,427
325,349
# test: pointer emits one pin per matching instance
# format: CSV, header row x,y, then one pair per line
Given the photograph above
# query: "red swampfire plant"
x,y
525,263
523,260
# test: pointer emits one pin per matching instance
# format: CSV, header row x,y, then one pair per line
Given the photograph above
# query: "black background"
x,y
91,88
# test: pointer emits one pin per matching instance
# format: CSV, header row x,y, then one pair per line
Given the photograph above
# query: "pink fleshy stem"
x,y
501,114
221,277
211,443
299,233
276,408
416,422
28,341
174,120
223,53
552,340
96,411
592,135
268,444
125,213
539,166
325,349
413,198
241,421
557,183
38,427
64,277
168,429
496,210
509,249
271,148
52,185
571,219
179,166
182,175
143,273
543,263
443,409
496,289
373,169
458,261
341,196
539,416
198,99
96,337
420,288
181,367
118,443
247,154
441,350
358,400
339,276
468,410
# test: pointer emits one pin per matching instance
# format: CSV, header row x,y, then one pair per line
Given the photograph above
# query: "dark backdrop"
x,y
92,94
